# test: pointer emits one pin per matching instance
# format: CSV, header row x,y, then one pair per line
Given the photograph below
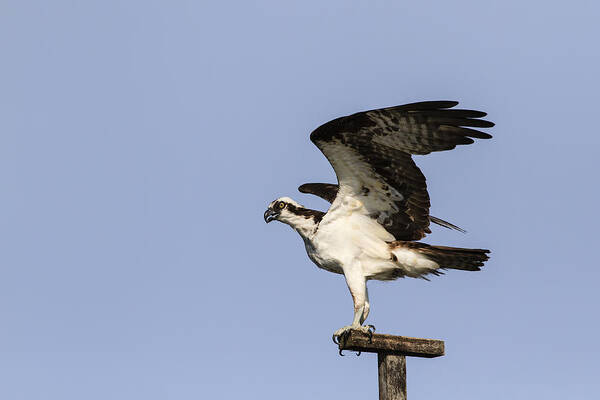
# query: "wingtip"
x,y
428,105
449,103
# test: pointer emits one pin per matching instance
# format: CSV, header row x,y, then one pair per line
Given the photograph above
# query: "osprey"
x,y
380,206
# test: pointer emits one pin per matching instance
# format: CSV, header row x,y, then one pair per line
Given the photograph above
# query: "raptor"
x,y
380,206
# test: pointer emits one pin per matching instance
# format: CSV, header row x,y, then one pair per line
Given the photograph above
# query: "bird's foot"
x,y
341,335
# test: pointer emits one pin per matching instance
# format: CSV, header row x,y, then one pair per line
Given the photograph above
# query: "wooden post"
x,y
391,357
392,376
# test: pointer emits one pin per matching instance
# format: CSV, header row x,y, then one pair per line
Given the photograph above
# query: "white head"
x,y
294,214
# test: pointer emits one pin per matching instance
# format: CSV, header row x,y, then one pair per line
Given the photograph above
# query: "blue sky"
x,y
142,140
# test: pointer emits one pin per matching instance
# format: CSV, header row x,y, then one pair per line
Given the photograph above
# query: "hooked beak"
x,y
270,215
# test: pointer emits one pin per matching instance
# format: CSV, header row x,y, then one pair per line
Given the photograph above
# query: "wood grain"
x,y
392,376
390,344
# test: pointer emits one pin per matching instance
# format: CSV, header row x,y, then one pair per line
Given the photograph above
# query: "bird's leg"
x,y
365,314
366,308
358,289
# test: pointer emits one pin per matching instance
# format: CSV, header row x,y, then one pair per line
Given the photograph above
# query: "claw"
x,y
341,352
340,339
358,354
371,330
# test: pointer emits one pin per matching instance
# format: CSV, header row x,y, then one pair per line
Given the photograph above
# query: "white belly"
x,y
352,240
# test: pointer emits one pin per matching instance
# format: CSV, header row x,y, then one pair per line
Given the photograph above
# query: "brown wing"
x,y
328,191
371,151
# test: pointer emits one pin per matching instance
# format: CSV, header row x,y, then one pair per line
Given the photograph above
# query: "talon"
x,y
340,337
370,330
341,353
358,354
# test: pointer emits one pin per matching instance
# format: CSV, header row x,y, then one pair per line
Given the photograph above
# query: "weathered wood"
x,y
395,345
392,376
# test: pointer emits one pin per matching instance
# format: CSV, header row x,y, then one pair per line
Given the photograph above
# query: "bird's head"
x,y
283,209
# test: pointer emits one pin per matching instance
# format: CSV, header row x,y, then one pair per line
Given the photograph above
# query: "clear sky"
x,y
141,141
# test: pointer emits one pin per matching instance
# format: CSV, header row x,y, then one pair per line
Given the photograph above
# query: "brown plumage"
x,y
448,257
328,191
370,152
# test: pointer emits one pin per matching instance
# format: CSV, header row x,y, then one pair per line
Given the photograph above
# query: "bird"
x,y
380,206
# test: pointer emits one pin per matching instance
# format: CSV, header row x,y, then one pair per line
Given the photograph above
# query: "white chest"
x,y
322,258
343,241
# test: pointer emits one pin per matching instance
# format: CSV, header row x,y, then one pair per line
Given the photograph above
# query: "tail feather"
x,y
448,257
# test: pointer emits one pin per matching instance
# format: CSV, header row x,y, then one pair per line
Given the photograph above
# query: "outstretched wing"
x,y
328,191
371,152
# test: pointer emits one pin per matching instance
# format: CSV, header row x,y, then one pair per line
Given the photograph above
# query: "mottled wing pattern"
x,y
328,191
371,151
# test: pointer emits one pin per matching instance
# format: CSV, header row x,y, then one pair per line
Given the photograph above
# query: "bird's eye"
x,y
281,205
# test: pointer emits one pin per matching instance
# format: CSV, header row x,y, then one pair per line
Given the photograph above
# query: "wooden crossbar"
x,y
391,357
399,345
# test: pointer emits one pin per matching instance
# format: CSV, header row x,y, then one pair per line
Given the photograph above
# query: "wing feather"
x,y
328,192
370,152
